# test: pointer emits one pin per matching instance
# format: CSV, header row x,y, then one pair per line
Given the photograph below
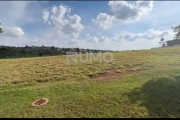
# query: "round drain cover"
x,y
40,102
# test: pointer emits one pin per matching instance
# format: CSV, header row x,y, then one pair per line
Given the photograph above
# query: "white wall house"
x,y
71,53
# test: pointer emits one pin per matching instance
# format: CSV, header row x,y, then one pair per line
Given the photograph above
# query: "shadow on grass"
x,y
161,97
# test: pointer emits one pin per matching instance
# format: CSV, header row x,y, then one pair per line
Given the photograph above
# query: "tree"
x,y
1,29
77,50
52,48
162,41
177,31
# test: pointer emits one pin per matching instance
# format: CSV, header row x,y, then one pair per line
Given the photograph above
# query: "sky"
x,y
110,25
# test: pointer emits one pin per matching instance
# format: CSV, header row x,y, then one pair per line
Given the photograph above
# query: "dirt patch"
x,y
109,74
40,102
113,74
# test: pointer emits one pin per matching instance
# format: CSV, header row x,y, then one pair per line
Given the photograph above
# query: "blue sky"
x,y
114,25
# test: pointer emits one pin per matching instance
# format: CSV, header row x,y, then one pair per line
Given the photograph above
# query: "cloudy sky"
x,y
112,25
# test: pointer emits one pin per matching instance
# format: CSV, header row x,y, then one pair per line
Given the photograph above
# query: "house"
x,y
83,50
59,49
174,42
71,53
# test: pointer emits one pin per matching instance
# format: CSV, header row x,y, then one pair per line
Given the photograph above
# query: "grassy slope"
x,y
151,92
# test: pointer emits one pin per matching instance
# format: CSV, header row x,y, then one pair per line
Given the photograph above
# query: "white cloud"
x,y
46,16
73,26
67,26
93,40
149,34
124,12
98,41
16,41
122,41
12,32
130,41
104,39
103,20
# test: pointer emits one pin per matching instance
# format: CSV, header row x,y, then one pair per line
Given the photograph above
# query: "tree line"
x,y
16,52
36,51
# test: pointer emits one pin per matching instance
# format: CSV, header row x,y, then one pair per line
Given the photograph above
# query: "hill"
x,y
142,83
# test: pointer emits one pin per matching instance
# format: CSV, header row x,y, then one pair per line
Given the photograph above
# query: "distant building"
x,y
83,50
71,53
59,49
173,42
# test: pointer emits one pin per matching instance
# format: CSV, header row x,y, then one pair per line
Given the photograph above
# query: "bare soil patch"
x,y
113,74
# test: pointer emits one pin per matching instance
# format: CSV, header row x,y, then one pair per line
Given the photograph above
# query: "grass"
x,y
151,90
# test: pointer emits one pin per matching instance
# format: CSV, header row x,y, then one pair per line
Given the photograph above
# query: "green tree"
x,y
53,48
162,39
1,29
162,42
77,50
177,31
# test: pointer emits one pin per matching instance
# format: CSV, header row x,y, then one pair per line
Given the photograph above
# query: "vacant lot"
x,y
135,84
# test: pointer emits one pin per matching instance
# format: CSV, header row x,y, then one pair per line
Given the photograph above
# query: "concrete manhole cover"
x,y
40,102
